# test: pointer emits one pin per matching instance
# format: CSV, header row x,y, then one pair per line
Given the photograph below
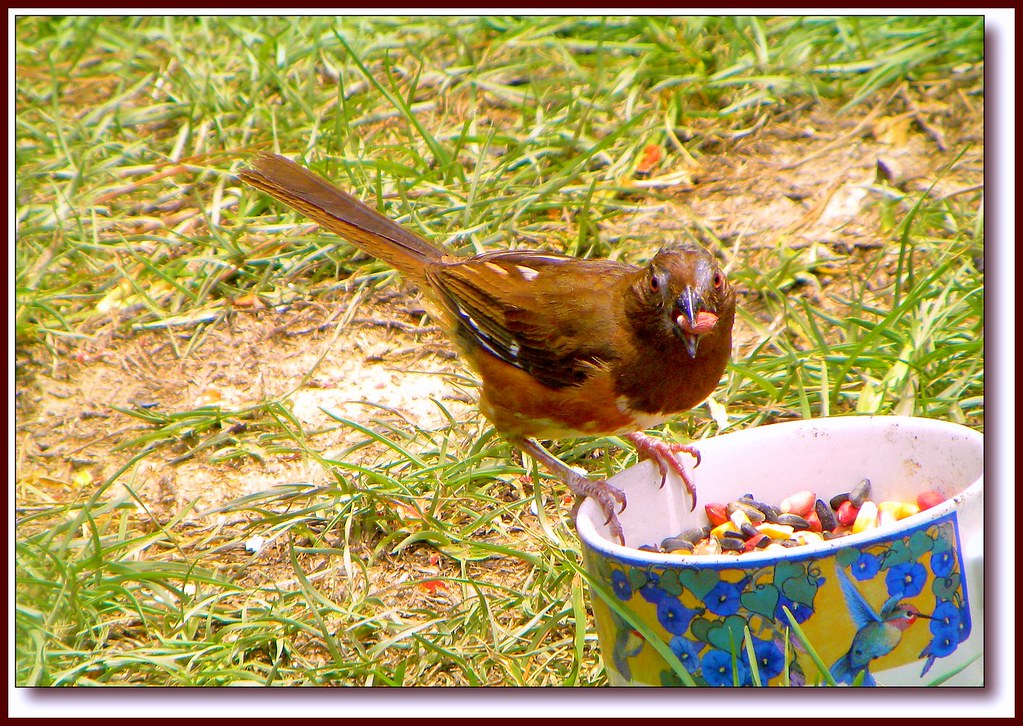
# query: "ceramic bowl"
x,y
899,605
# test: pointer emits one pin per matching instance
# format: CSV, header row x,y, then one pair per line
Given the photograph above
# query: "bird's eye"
x,y
719,279
656,281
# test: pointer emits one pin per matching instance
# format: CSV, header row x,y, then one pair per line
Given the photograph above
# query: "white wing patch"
x,y
496,268
528,273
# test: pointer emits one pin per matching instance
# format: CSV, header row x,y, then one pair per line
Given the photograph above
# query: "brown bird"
x,y
564,346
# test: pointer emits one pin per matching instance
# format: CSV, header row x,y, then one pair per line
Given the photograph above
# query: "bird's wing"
x,y
859,608
534,310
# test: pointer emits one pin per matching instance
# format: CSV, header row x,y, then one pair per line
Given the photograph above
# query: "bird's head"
x,y
690,294
902,615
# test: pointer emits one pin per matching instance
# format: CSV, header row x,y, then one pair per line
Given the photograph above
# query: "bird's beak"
x,y
688,305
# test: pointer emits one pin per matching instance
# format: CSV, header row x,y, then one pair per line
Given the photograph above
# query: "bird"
x,y
628,644
564,347
877,634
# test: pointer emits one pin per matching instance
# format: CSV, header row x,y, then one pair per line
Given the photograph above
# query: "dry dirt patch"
x,y
370,369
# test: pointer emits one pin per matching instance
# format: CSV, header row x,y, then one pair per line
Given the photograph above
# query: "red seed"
x,y
800,503
928,499
846,513
716,514
814,521
752,542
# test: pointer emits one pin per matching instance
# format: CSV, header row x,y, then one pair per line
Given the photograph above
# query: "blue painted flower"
x,y
942,644
723,599
942,562
717,669
866,566
673,615
950,625
770,658
651,590
965,623
621,585
688,651
945,620
799,611
906,580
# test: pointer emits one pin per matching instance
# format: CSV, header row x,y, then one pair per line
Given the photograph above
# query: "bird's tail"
x,y
341,213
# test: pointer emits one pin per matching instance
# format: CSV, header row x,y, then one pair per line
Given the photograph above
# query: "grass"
x,y
414,558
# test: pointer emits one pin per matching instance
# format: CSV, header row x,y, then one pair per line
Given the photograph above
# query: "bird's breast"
x,y
520,406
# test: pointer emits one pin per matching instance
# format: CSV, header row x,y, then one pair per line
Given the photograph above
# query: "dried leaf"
x,y
651,157
249,301
893,130
432,586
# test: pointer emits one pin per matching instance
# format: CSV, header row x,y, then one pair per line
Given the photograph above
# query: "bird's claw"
x,y
665,455
582,486
607,496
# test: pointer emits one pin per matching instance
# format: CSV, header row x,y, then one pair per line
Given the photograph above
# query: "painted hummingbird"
x,y
628,644
878,634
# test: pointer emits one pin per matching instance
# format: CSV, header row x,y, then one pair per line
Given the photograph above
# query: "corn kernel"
x,y
707,547
722,530
739,518
866,518
889,505
776,531
800,503
908,509
805,537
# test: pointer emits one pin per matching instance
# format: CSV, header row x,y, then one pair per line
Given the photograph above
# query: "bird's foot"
x,y
665,455
608,497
